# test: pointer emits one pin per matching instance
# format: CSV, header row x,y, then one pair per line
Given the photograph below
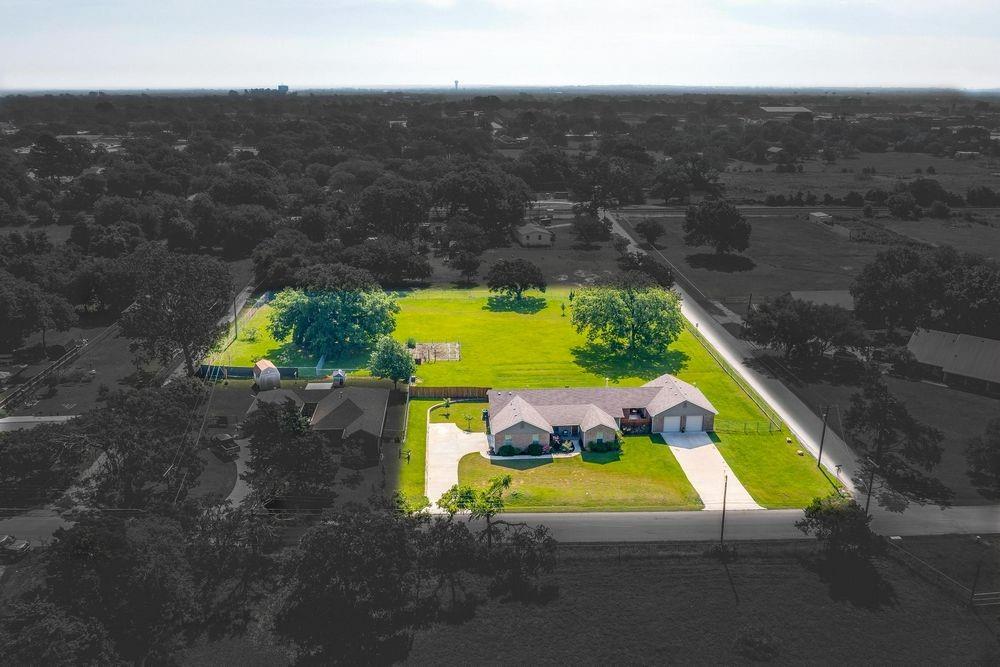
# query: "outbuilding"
x,y
266,375
532,235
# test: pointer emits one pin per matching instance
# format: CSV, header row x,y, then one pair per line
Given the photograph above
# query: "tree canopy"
x,y
718,224
512,277
179,301
895,451
334,323
628,316
803,329
390,359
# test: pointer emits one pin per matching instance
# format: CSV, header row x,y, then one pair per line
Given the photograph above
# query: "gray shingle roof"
x,y
593,406
957,354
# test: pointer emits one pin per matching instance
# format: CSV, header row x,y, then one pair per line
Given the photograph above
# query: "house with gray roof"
x,y
522,417
357,414
959,358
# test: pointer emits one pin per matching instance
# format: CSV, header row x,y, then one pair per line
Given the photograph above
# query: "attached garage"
x,y
694,423
671,424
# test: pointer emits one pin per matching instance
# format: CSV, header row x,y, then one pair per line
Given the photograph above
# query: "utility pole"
x,y
725,488
236,319
871,483
822,438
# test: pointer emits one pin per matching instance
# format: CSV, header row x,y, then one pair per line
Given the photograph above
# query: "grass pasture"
x,y
537,347
890,168
787,252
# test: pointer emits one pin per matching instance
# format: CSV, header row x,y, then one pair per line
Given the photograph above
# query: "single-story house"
x,y
342,413
531,234
266,375
820,216
959,358
522,417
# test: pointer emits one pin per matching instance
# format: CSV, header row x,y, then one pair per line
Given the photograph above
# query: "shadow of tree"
x,y
726,262
852,579
526,305
617,364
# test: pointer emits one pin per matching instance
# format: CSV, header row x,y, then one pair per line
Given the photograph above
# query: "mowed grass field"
x,y
539,348
643,476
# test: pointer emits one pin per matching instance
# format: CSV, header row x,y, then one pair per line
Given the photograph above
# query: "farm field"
x,y
982,239
787,252
672,602
540,349
890,170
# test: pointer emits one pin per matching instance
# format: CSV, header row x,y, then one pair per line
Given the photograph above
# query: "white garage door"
x,y
671,424
694,423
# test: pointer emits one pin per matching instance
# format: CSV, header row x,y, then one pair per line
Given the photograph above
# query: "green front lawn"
x,y
643,476
772,472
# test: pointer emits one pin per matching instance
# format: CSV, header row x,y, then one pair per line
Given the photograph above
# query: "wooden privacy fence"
x,y
420,391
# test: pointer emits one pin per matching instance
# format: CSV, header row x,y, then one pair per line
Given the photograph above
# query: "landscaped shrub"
x,y
411,342
598,446
535,449
507,450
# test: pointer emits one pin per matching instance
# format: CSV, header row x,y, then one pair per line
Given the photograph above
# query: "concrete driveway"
x,y
708,472
446,445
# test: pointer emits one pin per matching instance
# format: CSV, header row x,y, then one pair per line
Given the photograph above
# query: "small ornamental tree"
x,y
482,504
390,359
512,277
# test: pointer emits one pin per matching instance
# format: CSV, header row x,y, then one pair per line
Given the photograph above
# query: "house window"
x,y
506,440
534,439
600,436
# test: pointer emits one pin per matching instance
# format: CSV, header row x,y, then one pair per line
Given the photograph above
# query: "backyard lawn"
x,y
643,476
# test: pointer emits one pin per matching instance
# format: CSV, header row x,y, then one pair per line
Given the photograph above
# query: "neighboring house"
x,y
266,375
530,235
958,358
820,216
398,123
342,413
521,417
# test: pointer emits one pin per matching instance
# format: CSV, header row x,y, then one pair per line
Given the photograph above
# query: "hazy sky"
x,y
326,43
